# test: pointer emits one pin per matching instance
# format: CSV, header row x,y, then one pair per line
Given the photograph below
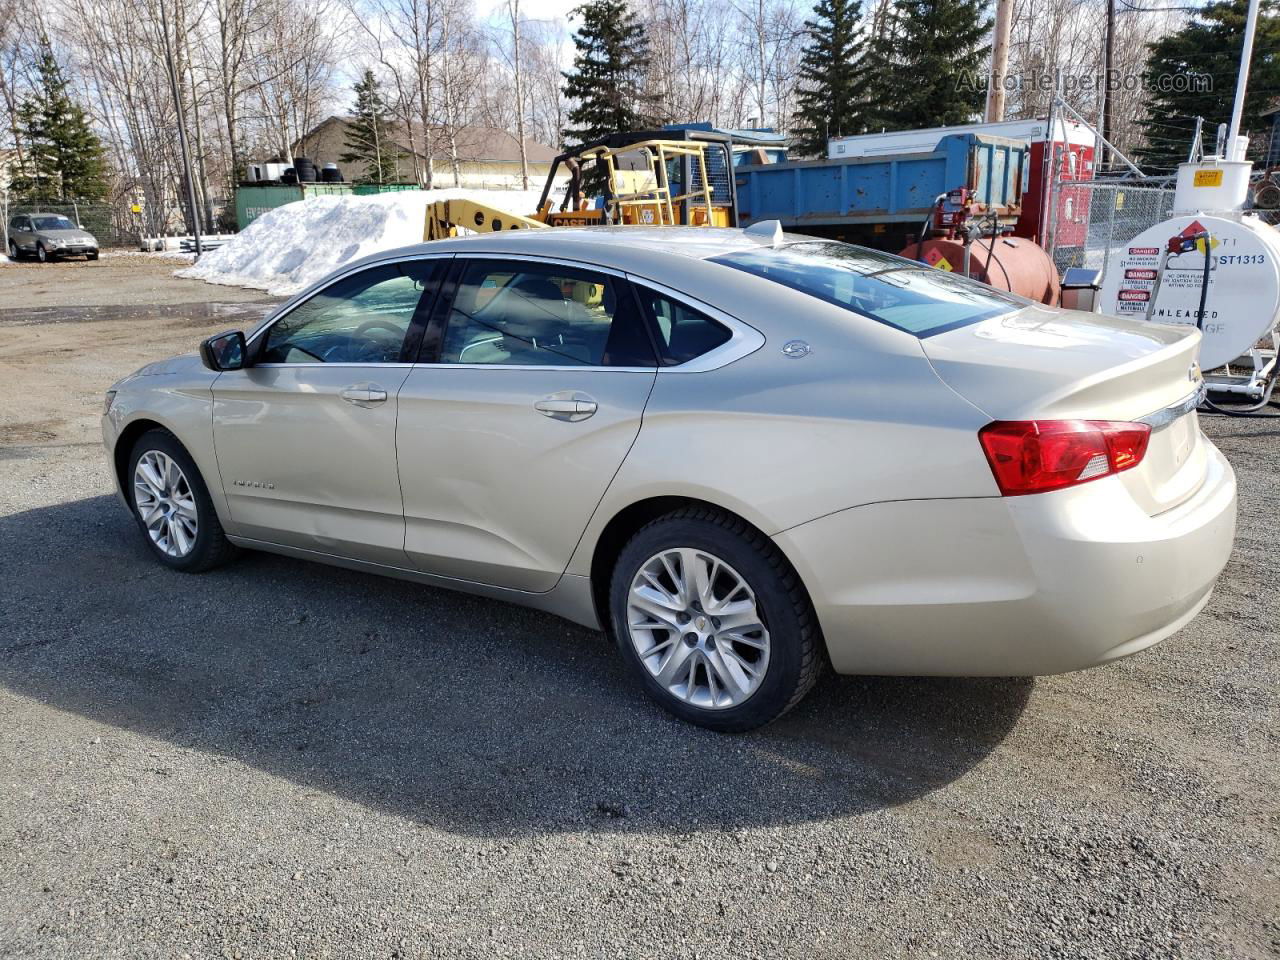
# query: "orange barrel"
x,y
1012,263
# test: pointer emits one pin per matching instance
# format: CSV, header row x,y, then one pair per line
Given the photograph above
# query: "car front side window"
x,y
520,313
362,318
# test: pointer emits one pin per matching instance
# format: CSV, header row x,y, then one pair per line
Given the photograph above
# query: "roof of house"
x,y
475,143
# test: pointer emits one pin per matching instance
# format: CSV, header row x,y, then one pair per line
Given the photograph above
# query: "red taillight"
x,y
1032,456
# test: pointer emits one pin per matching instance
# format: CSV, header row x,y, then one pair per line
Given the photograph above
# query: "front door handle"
x,y
570,405
363,394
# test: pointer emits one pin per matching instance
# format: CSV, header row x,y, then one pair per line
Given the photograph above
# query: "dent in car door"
x,y
502,463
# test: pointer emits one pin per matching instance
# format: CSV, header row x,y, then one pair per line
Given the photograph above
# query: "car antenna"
x,y
769,231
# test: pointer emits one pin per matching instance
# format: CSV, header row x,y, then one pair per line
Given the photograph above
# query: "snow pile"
x,y
289,248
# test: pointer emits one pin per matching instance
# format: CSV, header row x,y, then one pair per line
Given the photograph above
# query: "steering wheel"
x,y
376,323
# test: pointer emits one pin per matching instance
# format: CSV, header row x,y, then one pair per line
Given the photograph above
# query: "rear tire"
x,y
14,255
745,624
172,506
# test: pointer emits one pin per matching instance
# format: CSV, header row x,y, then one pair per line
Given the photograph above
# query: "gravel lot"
x,y
280,759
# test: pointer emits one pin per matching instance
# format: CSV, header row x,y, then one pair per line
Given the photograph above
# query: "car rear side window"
x,y
682,332
895,291
523,313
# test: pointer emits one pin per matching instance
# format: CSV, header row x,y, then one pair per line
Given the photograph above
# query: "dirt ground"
x,y
282,759
117,278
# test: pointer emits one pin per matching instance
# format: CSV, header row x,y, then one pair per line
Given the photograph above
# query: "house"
x,y
487,156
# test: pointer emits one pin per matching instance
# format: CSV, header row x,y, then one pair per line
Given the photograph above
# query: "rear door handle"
x,y
363,394
570,405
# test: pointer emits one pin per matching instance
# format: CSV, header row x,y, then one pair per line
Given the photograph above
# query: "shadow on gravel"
x,y
472,716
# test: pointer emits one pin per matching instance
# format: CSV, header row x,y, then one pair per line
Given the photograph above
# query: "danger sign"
x,y
1140,296
1139,274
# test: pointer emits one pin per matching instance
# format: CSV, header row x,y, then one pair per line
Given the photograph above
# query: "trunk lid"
x,y
1040,364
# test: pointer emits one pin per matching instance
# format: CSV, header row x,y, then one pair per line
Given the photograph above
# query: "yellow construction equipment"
x,y
444,217
646,179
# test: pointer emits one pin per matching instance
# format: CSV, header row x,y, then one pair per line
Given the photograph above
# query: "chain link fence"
x,y
1095,220
104,221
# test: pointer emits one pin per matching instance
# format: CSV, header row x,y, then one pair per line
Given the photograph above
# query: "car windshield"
x,y
53,223
902,293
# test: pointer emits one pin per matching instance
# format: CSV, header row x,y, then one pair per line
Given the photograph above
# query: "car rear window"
x,y
902,293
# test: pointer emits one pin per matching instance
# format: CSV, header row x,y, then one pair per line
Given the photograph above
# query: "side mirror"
x,y
226,351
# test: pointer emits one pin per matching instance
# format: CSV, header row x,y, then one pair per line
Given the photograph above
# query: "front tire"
x,y
714,621
41,253
172,506
13,251
91,256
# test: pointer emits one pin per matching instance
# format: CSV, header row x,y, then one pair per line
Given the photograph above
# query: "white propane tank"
x,y
1243,302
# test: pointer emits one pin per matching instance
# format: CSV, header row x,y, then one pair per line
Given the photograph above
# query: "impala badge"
x,y
795,349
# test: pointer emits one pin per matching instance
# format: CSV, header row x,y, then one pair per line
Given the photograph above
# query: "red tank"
x,y
1011,263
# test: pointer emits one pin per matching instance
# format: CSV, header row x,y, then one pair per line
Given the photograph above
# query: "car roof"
x,y
620,244
696,242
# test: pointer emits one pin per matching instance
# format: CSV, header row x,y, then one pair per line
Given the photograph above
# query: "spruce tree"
x,y
64,157
368,137
832,82
608,76
1192,73
928,68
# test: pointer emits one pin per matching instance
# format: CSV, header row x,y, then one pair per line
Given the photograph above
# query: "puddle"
x,y
243,314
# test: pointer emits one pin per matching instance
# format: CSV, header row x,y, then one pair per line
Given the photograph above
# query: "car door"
x,y
536,377
23,237
306,436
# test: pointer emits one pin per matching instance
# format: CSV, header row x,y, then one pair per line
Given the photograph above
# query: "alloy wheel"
x,y
42,253
165,503
696,627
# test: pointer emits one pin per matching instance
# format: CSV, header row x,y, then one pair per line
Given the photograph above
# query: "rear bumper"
x,y
1015,586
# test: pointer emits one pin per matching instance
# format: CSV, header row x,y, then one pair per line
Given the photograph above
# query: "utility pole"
x,y
513,9
999,61
194,216
1108,57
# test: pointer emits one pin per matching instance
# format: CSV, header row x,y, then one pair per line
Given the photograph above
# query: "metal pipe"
x,y
1242,79
1196,148
1108,58
1042,223
1110,146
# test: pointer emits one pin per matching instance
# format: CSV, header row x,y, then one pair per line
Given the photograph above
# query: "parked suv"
x,y
49,235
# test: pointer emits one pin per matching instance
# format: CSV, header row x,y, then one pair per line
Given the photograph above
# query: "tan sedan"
x,y
744,455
